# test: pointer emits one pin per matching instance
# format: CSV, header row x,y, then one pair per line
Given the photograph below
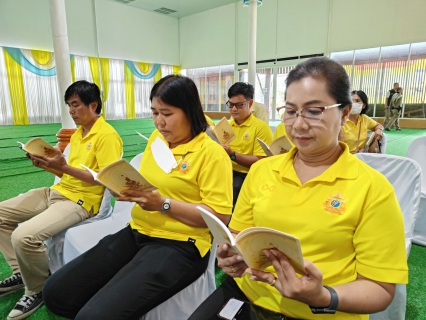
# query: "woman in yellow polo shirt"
x,y
335,204
166,245
355,129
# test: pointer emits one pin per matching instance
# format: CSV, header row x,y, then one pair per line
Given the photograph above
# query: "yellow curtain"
x,y
105,83
158,76
93,62
144,67
41,57
16,89
176,69
72,69
129,83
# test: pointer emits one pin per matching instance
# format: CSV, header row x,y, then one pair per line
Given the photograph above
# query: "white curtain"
x,y
42,97
166,70
116,103
142,92
82,69
5,103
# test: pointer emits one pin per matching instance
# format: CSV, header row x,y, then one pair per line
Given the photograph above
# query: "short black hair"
x,y
363,96
181,92
88,92
335,76
244,88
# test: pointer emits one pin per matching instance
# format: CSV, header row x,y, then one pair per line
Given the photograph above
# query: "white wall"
x,y
123,32
208,38
373,23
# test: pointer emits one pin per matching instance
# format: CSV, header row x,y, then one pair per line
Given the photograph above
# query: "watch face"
x,y
166,206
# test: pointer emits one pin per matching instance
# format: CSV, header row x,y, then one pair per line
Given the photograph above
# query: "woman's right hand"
x,y
232,264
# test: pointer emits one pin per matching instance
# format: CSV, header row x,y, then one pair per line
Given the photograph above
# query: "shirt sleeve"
x,y
264,133
379,239
371,124
110,149
215,181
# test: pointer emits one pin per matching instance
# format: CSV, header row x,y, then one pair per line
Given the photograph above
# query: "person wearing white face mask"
x,y
354,132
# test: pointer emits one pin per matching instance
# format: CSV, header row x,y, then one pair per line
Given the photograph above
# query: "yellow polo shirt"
x,y
245,141
204,176
99,148
280,131
351,130
209,121
348,221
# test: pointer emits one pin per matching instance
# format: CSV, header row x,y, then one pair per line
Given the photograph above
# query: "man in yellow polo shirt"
x,y
47,211
244,150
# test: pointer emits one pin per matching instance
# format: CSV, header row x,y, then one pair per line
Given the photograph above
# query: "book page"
x,y
224,131
219,230
252,241
210,132
280,145
370,141
40,147
163,156
265,147
121,175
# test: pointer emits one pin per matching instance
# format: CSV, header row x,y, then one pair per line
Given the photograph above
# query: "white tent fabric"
x,y
179,307
405,176
417,152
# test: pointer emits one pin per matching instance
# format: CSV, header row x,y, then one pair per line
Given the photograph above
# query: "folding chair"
x,y
405,176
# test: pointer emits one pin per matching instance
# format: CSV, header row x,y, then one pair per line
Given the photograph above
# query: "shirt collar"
x,y
246,123
95,128
346,167
192,146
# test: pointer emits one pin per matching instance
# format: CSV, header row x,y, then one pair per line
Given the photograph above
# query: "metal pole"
x,y
252,42
62,55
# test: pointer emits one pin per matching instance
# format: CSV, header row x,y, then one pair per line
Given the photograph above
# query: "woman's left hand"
x,y
307,289
147,200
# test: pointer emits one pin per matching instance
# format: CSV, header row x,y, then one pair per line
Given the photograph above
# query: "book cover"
x,y
224,132
279,145
251,242
119,176
38,146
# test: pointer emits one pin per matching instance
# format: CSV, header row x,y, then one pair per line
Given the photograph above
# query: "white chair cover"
x,y
55,244
417,152
405,176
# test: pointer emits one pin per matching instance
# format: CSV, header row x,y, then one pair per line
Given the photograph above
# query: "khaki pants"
x,y
387,117
44,213
394,120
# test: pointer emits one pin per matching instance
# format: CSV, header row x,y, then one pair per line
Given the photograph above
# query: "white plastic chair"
x,y
383,142
417,152
179,307
55,244
405,176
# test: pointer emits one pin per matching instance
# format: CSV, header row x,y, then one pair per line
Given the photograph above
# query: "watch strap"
x,y
332,308
165,206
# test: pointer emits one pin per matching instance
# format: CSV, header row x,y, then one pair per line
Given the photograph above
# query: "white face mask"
x,y
356,108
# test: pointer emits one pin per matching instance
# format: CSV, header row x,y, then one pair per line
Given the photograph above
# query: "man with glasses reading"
x,y
244,150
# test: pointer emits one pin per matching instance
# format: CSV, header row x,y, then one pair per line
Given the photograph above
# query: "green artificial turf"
x,y
17,175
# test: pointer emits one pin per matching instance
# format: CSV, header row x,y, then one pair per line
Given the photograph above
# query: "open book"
x,y
223,131
38,146
119,176
251,242
278,146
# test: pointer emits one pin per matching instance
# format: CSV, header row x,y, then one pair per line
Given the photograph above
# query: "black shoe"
x,y
26,306
387,129
11,284
398,129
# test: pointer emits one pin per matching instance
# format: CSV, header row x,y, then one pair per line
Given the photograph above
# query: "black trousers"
x,y
237,182
229,289
123,277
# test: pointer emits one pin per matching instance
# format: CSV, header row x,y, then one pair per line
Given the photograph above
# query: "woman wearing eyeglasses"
x,y
355,129
166,245
331,201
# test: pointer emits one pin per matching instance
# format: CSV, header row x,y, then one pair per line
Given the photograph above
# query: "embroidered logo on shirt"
x,y
268,187
335,204
89,146
184,167
80,202
246,136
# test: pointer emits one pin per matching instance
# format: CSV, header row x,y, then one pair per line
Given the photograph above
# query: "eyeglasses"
x,y
311,114
237,105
